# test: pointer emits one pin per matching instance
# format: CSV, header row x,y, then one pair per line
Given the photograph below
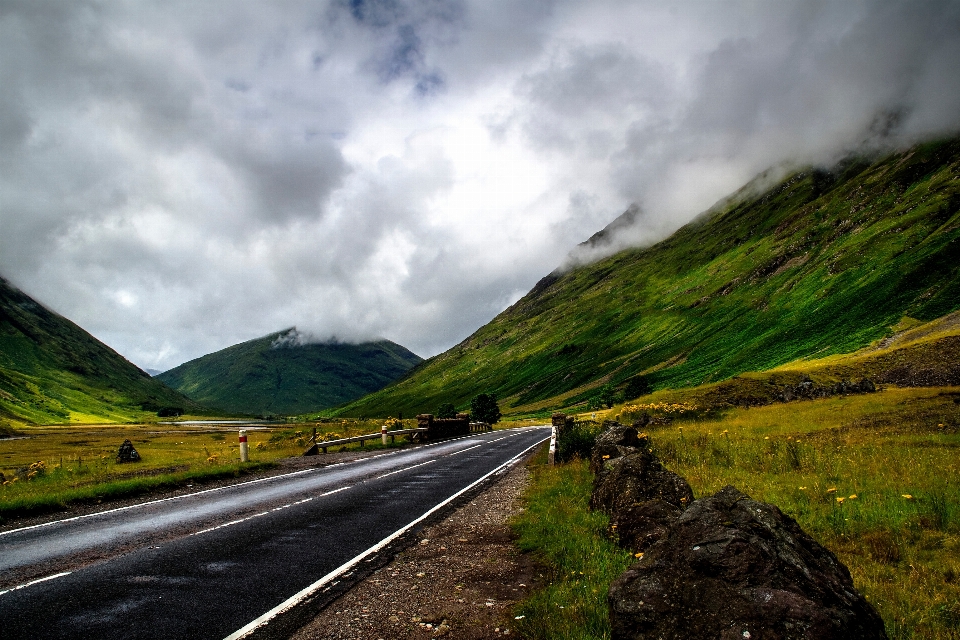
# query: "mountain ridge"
x,y
53,371
826,261
280,373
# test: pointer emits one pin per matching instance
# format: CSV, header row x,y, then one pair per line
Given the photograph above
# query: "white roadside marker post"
x,y
383,434
552,455
244,457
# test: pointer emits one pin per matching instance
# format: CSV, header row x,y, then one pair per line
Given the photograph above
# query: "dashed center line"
x,y
267,512
476,446
405,469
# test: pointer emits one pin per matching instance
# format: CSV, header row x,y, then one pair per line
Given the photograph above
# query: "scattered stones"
x,y
731,567
808,390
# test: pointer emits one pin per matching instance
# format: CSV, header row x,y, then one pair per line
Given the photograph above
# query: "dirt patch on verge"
x,y
461,579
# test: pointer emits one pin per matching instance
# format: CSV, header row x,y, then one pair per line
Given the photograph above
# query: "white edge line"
x,y
297,598
232,486
27,584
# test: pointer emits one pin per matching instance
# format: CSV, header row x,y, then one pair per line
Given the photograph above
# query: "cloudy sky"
x,y
177,177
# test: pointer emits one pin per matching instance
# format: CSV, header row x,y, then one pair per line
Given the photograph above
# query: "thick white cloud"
x,y
180,176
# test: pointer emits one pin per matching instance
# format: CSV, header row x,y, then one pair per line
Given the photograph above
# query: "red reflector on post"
x,y
243,438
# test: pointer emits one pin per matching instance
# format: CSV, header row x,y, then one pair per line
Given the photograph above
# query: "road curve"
x,y
224,561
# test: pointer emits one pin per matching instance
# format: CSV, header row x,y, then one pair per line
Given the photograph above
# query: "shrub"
x,y
636,386
576,440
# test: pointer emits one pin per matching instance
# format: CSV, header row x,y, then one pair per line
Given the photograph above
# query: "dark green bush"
x,y
484,408
576,440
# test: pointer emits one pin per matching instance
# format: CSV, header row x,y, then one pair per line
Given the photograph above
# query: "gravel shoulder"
x,y
460,579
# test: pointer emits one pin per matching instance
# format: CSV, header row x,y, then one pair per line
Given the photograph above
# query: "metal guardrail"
x,y
321,445
318,446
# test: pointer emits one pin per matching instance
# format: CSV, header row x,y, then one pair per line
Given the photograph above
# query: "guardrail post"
x,y
383,434
244,457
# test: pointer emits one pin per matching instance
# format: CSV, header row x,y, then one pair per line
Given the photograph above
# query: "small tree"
x,y
484,408
605,399
446,410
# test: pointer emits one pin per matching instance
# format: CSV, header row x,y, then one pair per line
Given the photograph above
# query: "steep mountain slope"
x,y
825,262
277,374
52,371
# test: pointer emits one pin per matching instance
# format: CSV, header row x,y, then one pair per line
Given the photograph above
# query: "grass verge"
x,y
51,467
568,541
36,498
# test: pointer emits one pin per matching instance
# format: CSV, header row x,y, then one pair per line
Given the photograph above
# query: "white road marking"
x,y
305,593
456,453
197,493
27,584
267,512
405,469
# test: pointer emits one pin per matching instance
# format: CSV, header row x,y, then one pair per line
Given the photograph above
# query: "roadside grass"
x,y
872,477
79,462
568,541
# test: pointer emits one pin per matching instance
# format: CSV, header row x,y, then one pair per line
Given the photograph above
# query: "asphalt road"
x,y
227,561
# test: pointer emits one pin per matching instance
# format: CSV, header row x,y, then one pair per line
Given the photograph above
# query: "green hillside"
x,y
278,375
825,262
52,371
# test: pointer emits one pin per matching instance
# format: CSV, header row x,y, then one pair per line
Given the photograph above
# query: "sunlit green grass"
x,y
567,539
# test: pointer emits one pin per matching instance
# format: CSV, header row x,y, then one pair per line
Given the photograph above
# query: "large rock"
x,y
628,480
733,568
615,442
640,526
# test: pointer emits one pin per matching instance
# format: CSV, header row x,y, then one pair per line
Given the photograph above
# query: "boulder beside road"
x,y
730,567
631,475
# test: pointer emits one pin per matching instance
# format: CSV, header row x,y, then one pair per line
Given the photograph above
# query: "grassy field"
x,y
54,466
872,477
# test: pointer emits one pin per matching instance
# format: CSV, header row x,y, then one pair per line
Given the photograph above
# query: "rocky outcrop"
x,y
628,475
808,390
641,497
615,442
640,526
733,568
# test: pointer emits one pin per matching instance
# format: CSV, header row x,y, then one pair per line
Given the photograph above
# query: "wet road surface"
x,y
206,565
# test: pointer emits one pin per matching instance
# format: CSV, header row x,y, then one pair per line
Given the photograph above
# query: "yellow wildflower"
x,y
638,555
840,500
907,496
